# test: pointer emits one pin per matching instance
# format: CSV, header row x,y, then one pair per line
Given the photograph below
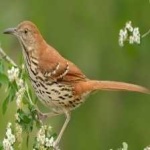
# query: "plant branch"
x,y
6,57
145,34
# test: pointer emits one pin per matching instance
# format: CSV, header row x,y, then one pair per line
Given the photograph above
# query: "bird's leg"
x,y
68,116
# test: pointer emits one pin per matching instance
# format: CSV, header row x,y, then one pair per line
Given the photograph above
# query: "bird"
x,y
58,83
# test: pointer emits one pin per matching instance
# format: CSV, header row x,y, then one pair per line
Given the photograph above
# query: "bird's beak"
x,y
10,31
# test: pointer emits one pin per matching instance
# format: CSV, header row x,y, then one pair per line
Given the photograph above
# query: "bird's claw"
x,y
41,116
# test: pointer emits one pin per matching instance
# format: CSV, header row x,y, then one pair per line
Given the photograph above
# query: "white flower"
x,y
136,35
19,95
41,135
10,138
20,83
131,39
18,132
130,34
125,146
9,124
8,132
44,140
49,142
7,145
123,34
13,73
17,117
129,26
147,148
41,139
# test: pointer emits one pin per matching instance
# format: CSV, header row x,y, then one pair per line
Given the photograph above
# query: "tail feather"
x,y
121,86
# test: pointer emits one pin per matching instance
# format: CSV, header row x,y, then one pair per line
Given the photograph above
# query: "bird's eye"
x,y
26,31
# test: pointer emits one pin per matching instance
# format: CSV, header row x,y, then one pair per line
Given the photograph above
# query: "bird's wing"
x,y
54,66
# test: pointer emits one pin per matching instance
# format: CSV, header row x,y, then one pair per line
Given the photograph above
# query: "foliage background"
x,y
86,32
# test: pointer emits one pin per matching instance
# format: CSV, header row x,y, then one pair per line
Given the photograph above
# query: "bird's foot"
x,y
41,116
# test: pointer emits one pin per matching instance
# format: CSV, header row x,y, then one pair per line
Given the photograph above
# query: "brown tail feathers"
x,y
92,85
121,86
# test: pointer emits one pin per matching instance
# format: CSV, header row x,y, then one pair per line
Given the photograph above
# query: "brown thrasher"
x,y
57,82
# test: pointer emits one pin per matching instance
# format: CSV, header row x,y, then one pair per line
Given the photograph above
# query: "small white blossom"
x,y
44,139
49,142
125,146
10,138
17,117
123,34
130,34
18,132
13,73
147,148
9,134
129,26
41,139
131,39
41,135
7,145
19,96
9,125
136,35
20,83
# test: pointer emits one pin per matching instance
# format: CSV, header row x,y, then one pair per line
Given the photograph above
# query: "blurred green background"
x,y
86,32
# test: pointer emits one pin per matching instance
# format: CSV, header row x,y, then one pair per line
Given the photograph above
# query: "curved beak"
x,y
10,31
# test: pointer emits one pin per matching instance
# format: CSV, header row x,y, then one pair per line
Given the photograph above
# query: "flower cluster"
x,y
18,133
129,33
10,139
20,93
13,74
44,139
147,148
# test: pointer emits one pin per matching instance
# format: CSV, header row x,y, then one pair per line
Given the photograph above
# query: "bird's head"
x,y
27,33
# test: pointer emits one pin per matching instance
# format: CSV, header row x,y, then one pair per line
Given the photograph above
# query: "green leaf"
x,y
25,118
10,97
1,66
3,79
5,103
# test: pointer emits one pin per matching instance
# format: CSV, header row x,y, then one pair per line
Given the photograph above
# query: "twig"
x,y
145,34
7,58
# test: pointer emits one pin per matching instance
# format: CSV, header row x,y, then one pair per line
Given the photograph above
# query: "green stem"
x,y
145,34
7,58
27,90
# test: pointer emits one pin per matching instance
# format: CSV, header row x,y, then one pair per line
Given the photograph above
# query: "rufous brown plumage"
x,y
58,83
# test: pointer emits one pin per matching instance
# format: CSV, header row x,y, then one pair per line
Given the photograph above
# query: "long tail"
x,y
92,85
114,85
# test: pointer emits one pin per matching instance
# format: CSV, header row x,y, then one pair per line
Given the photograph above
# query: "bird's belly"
x,y
56,94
